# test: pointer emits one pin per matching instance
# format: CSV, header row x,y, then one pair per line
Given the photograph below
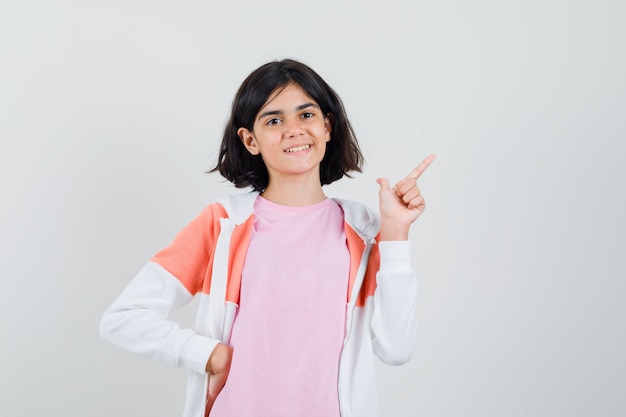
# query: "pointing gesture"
x,y
401,204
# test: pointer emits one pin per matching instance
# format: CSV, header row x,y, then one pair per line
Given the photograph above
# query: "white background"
x,y
110,112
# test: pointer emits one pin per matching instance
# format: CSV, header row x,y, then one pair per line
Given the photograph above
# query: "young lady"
x,y
297,291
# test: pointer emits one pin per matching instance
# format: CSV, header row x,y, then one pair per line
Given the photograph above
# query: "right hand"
x,y
217,367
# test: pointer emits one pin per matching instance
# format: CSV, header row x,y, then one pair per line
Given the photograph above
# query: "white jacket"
x,y
205,260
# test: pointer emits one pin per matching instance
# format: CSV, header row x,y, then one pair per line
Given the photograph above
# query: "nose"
x,y
292,126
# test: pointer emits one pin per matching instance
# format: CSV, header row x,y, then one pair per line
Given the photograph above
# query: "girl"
x,y
296,290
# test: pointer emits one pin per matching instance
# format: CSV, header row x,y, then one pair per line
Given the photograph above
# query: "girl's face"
x,y
290,133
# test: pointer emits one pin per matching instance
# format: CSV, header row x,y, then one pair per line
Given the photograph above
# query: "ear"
x,y
328,123
248,140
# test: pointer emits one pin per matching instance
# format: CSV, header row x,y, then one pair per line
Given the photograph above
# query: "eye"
x,y
273,121
307,115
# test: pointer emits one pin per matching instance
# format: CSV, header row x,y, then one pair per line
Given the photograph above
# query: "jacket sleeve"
x,y
137,320
394,323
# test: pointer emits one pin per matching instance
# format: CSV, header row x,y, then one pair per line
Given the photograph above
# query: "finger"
x,y
404,186
417,203
419,170
384,184
412,194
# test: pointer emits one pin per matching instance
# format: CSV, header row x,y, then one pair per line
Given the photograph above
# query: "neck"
x,y
294,193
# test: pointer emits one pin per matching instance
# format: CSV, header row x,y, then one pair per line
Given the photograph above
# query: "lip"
x,y
296,149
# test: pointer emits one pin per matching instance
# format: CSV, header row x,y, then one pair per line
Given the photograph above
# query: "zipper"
x,y
356,289
219,278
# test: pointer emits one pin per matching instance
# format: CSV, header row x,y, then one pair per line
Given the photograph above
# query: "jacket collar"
x,y
359,217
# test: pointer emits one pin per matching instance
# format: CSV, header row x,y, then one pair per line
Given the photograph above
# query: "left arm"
x,y
395,299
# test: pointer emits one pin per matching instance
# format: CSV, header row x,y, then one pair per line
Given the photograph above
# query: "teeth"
x,y
298,148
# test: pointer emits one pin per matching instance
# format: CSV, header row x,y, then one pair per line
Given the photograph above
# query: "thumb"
x,y
384,184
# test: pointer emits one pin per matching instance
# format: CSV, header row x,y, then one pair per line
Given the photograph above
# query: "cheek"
x,y
274,144
270,141
322,132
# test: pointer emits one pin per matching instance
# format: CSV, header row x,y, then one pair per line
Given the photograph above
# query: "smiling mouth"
x,y
298,148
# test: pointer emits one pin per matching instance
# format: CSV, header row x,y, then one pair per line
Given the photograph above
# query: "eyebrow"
x,y
279,112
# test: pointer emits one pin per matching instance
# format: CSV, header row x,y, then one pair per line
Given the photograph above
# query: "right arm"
x,y
138,319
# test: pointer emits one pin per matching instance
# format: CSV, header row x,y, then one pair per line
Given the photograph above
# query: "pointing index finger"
x,y
419,170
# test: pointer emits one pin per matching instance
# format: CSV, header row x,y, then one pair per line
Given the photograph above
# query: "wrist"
x,y
390,231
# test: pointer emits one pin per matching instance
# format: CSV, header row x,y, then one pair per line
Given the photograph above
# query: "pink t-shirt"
x,y
290,325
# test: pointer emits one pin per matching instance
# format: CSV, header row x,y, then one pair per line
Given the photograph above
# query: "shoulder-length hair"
x,y
243,169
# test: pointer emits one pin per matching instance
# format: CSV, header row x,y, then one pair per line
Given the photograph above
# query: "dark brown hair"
x,y
243,169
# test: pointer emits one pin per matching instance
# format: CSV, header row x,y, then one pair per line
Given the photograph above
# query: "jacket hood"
x,y
361,218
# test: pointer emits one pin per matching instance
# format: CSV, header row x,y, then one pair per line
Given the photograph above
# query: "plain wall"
x,y
110,112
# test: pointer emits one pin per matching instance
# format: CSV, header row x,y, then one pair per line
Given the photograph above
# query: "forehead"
x,y
289,95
